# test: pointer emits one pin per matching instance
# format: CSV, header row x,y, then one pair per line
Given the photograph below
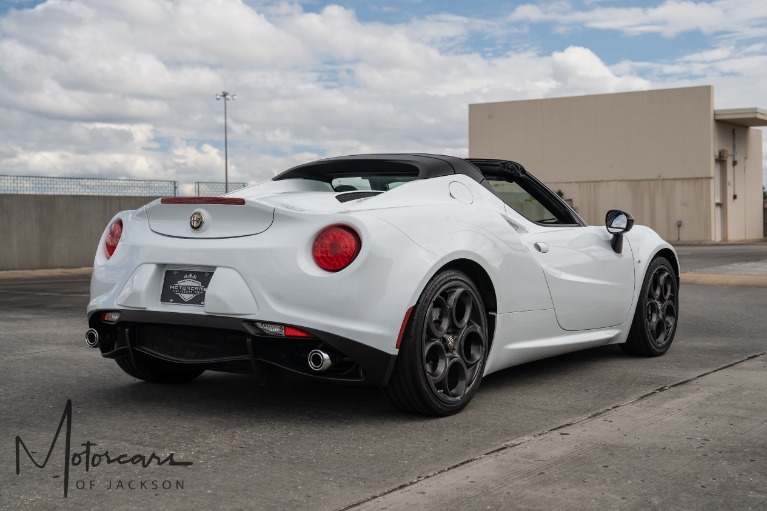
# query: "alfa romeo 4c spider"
x,y
417,273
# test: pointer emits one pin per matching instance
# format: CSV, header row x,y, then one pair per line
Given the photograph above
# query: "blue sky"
x,y
545,35
126,89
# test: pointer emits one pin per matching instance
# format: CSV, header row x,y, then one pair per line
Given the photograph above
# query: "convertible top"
x,y
420,166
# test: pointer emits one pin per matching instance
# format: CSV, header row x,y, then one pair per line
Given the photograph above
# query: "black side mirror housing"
x,y
618,223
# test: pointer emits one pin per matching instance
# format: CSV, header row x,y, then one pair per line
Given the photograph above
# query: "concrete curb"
x,y
706,243
35,274
705,279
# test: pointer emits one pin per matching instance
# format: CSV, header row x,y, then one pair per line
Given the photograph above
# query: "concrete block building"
x,y
668,157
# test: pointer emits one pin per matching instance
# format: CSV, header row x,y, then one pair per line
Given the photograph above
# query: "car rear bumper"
x,y
233,344
272,277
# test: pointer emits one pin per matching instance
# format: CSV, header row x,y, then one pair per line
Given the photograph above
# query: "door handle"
x,y
541,247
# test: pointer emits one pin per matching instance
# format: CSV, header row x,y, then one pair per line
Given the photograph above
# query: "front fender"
x,y
646,244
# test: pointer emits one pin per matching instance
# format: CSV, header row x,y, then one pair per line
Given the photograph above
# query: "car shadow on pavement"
x,y
216,394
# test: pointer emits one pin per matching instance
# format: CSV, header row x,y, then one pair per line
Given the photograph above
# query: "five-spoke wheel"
x,y
444,349
655,319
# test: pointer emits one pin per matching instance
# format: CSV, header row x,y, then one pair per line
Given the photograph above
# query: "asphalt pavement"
x,y
591,430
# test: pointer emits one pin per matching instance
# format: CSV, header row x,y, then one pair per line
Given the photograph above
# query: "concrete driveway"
x,y
591,430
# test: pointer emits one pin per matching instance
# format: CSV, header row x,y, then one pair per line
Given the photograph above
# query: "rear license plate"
x,y
185,287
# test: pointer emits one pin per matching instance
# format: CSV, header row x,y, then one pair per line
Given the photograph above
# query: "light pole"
x,y
226,96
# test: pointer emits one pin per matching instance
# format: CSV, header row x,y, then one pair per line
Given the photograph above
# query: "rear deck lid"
x,y
208,217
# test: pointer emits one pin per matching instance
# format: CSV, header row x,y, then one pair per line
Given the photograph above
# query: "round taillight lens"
x,y
113,237
336,247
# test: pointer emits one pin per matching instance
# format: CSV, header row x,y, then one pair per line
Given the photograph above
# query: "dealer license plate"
x,y
185,287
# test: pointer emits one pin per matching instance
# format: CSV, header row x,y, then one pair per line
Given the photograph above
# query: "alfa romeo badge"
x,y
196,220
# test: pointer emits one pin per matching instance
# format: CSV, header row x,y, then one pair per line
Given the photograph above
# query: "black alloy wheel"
x,y
655,319
443,350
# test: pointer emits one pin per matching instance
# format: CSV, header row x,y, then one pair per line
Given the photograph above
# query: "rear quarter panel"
x,y
478,232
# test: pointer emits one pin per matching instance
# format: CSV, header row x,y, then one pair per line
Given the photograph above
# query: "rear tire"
x,y
654,325
154,370
444,348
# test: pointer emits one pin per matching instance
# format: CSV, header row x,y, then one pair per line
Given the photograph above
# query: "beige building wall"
x,y
739,165
650,153
653,202
754,182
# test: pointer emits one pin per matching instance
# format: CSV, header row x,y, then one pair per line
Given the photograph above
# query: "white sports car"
x,y
417,273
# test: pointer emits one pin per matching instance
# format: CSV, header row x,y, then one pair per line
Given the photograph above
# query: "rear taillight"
x,y
279,330
113,237
110,317
336,247
296,332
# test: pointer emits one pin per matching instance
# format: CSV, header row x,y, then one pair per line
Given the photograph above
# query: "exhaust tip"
x,y
92,338
319,360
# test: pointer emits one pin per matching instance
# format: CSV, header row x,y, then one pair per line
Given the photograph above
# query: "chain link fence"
x,y
38,185
210,188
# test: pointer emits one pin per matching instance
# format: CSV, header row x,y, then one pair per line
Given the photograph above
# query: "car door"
x,y
591,285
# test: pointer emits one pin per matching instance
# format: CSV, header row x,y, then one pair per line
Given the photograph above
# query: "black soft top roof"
x,y
423,165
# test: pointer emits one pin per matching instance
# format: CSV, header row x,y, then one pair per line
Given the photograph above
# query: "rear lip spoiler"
x,y
225,201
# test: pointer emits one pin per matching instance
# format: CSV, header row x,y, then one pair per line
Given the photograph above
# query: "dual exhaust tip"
x,y
318,360
92,338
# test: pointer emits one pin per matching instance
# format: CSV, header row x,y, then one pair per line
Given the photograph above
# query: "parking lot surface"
x,y
594,429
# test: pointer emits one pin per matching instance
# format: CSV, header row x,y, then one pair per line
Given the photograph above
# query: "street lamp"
x,y
226,96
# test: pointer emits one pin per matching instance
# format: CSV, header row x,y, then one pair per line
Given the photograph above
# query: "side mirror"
x,y
618,223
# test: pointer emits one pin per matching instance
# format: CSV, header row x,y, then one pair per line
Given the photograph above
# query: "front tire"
x,y
444,348
654,325
154,370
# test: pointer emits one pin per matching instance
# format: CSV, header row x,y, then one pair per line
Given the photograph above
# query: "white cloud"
x,y
580,69
738,18
96,87
111,88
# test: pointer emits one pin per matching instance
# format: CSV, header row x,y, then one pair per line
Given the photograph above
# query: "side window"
x,y
529,202
522,202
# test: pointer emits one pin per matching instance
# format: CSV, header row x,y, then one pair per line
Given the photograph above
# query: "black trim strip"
x,y
374,366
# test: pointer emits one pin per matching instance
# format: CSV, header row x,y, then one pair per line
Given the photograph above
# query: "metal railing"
x,y
210,188
39,185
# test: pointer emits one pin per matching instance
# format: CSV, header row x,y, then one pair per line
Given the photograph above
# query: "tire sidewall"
x,y
414,341
643,327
